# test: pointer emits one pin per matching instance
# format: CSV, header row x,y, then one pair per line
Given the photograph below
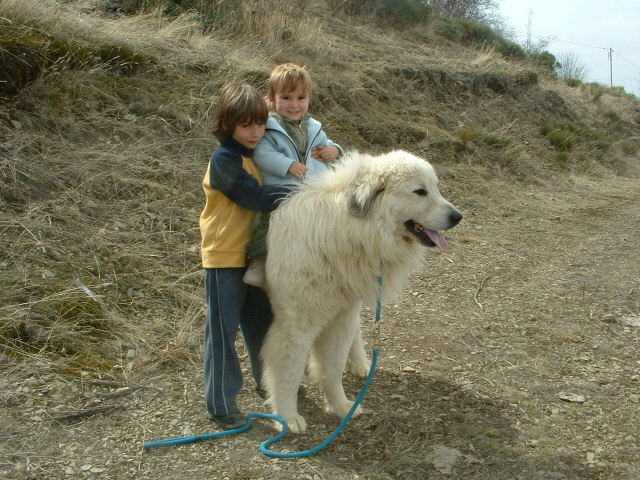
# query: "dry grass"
x,y
93,206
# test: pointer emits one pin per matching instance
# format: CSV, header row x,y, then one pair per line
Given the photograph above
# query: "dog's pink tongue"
x,y
438,239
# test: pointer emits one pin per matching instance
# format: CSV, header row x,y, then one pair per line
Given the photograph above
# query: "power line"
x,y
626,60
610,51
555,39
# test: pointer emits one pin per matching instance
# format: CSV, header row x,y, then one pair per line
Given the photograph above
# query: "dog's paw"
x,y
295,423
343,408
359,368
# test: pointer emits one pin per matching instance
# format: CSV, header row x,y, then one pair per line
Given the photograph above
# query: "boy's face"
x,y
248,134
292,105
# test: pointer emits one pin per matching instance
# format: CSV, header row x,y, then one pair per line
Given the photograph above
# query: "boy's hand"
x,y
298,170
326,153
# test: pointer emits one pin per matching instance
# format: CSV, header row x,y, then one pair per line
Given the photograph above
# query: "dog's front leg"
x,y
284,357
329,356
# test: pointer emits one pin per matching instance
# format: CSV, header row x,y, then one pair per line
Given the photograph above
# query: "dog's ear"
x,y
362,193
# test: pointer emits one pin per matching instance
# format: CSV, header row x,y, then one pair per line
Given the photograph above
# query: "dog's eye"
x,y
421,191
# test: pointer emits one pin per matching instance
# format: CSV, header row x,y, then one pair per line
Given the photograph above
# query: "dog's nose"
x,y
455,217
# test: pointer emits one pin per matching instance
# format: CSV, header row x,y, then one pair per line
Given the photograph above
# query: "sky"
x,y
587,29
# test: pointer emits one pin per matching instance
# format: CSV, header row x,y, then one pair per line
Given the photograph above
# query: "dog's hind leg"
x,y
357,362
284,358
329,356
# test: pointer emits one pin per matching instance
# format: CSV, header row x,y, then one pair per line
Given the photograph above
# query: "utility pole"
x,y
528,45
611,67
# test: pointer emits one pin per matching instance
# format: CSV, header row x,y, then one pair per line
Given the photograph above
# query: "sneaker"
x,y
230,420
254,275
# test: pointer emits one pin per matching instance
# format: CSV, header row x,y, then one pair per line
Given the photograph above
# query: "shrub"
x,y
611,115
573,82
479,33
595,90
470,133
544,59
448,29
396,12
561,139
599,139
561,158
496,141
467,134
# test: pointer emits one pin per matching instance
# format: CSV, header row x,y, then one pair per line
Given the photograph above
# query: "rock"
x,y
631,320
571,397
444,458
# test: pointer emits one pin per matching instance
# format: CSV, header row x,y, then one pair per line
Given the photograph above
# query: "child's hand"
x,y
326,153
298,170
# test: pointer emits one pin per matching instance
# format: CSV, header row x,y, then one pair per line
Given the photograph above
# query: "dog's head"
x,y
403,188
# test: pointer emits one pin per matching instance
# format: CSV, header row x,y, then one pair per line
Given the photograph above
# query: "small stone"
x,y
571,397
444,458
609,318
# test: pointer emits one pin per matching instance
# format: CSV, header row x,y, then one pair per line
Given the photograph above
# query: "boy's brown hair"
x,y
286,78
238,103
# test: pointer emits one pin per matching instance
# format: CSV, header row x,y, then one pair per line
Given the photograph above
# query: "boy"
x,y
234,191
294,147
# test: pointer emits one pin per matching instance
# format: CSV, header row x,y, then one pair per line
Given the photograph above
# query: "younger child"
x,y
234,191
294,147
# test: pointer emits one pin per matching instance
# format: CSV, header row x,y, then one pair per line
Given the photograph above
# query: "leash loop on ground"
x,y
264,447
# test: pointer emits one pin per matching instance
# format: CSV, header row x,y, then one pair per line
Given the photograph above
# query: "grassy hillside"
x,y
105,119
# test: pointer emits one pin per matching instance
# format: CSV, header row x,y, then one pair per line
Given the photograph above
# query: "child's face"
x,y
248,134
292,105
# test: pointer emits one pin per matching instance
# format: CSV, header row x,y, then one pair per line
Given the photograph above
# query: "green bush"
x,y
573,82
467,134
447,28
544,59
395,12
561,139
475,33
561,158
510,49
600,139
611,115
595,90
496,141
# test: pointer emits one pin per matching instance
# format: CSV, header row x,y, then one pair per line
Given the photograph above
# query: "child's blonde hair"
x,y
286,78
238,103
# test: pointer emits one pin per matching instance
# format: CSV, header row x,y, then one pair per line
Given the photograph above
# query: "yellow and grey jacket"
x,y
234,192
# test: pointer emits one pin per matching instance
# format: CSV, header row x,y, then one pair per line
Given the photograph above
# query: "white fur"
x,y
327,245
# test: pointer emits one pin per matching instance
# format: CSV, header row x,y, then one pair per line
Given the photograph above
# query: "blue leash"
x,y
264,447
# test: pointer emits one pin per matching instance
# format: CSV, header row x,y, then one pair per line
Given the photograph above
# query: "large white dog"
x,y
328,243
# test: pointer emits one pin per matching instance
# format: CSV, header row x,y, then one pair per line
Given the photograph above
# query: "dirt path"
x,y
514,356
